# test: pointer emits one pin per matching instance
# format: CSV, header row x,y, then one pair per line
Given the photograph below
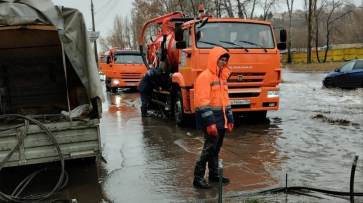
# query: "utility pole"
x,y
93,29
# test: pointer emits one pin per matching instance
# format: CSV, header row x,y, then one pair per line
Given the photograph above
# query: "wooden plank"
x,y
71,136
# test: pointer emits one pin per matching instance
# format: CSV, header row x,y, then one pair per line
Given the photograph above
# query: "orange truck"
x,y
123,68
182,48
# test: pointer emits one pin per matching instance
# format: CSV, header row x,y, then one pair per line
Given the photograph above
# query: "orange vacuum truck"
x,y
123,68
182,47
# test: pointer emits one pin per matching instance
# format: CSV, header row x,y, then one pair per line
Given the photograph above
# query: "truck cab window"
x,y
103,59
254,35
131,59
187,37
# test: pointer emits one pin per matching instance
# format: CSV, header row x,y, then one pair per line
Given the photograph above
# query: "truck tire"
x,y
178,110
108,85
114,89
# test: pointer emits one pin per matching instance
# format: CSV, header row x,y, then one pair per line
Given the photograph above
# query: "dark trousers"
x,y
144,98
210,152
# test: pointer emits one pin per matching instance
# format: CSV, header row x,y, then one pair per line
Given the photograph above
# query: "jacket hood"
x,y
214,55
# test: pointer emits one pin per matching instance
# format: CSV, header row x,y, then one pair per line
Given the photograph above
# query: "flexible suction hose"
x,y
63,179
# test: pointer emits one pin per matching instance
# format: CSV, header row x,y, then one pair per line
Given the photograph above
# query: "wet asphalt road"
x,y
312,138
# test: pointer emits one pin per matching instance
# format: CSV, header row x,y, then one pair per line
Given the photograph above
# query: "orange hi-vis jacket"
x,y
211,101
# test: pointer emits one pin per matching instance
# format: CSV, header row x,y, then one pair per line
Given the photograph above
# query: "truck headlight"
x,y
273,93
116,82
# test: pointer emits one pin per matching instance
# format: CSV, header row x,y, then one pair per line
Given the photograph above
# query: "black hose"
x,y
352,178
338,193
60,201
63,179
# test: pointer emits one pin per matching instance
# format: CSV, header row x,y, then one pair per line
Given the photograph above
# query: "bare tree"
x,y
253,5
308,17
240,8
228,7
267,5
290,6
317,10
330,22
356,25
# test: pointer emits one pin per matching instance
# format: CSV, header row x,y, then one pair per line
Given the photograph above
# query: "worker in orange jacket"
x,y
213,114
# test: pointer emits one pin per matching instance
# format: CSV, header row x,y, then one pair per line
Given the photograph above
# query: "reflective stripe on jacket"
x,y
211,101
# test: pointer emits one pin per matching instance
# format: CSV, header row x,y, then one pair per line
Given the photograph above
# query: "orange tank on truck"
x,y
123,68
182,48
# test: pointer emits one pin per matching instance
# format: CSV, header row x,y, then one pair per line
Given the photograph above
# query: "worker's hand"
x,y
212,130
230,127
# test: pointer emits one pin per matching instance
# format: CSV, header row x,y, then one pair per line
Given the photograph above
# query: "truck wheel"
x,y
178,109
108,85
114,89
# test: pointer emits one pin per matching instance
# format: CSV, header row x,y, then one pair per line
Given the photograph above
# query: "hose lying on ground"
x,y
63,179
294,188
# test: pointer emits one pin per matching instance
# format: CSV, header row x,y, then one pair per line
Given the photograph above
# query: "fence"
x,y
332,55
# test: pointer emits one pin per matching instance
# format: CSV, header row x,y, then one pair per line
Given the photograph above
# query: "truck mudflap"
x,y
76,139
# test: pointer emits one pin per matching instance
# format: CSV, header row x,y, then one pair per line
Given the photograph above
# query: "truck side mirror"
x,y
178,32
181,45
108,60
283,35
281,46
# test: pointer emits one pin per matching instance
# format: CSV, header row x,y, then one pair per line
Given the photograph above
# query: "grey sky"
x,y
106,10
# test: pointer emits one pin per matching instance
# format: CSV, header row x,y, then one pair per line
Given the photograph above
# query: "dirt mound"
x,y
330,120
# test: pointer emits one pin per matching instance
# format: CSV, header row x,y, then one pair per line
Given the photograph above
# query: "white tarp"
x,y
71,29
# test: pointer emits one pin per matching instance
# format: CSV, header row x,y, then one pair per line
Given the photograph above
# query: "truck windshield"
x,y
247,35
132,59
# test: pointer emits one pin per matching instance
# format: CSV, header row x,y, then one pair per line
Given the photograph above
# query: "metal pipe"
x,y
220,168
354,164
160,103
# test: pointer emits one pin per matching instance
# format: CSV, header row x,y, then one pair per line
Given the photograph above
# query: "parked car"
x,y
349,75
325,48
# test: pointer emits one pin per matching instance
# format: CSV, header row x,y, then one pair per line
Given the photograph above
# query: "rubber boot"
x,y
199,179
213,171
144,112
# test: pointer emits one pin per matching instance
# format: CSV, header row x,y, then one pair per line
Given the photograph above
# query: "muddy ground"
x,y
312,138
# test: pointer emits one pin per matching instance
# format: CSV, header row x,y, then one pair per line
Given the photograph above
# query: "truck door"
x,y
104,67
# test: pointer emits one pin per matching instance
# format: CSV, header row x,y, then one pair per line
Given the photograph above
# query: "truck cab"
x,y
123,68
182,49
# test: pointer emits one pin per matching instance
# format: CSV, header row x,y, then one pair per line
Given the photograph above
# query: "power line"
x,y
108,11
103,7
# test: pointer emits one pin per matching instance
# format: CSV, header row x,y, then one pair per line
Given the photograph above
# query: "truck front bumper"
x,y
254,99
117,82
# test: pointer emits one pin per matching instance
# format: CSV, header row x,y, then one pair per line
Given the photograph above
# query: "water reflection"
x,y
153,158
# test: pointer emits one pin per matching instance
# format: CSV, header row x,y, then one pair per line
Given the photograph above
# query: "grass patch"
x,y
329,66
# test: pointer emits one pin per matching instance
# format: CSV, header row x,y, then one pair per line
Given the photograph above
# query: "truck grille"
x,y
246,77
241,95
130,75
245,106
